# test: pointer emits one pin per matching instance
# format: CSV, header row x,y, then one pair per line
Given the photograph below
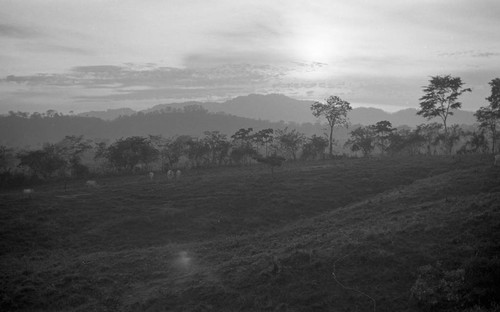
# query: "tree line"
x,y
77,156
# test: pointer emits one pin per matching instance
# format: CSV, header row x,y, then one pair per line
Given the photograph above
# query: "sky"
x,y
82,55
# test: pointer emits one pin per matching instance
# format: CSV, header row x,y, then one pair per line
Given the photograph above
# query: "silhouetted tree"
x,y
175,149
431,134
314,147
383,130
44,162
71,149
455,133
289,142
489,116
440,98
127,153
6,158
242,148
335,111
272,161
218,146
406,140
264,137
362,139
198,152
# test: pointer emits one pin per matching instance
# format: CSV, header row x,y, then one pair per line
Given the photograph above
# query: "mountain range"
x,y
277,107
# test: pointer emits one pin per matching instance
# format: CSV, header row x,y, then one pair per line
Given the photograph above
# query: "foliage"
x,y
473,283
198,152
218,146
45,162
264,137
243,148
477,142
335,111
489,116
289,142
432,135
362,139
174,149
405,141
441,97
71,149
6,158
436,288
129,152
314,148
383,130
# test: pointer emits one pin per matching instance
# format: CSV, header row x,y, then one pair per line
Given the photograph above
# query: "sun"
x,y
316,48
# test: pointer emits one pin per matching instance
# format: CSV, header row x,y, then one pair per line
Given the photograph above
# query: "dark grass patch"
x,y
242,240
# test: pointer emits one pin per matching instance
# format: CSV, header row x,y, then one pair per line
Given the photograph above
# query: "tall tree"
x,y
441,98
335,111
489,116
383,130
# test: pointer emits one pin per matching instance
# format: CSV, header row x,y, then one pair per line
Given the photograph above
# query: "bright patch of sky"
x,y
86,55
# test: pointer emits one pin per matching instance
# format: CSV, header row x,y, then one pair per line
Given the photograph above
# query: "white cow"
x,y
151,175
28,192
497,160
91,183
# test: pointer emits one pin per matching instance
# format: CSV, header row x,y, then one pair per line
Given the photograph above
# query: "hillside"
x,y
342,235
22,132
193,118
277,107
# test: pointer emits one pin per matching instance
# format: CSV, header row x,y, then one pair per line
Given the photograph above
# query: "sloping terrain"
x,y
342,235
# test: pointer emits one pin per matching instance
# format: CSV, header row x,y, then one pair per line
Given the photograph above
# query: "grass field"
x,y
387,234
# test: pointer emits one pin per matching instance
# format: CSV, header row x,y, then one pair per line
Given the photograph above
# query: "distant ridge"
x,y
278,107
109,114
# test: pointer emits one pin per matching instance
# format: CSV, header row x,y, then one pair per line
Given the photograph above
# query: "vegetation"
x,y
335,111
489,116
412,233
410,230
441,98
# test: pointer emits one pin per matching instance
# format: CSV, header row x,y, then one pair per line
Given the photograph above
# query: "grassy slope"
x,y
239,240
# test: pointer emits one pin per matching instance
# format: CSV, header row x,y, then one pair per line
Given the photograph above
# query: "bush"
x,y
436,288
475,284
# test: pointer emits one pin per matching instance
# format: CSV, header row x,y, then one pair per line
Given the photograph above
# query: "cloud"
x,y
14,31
470,53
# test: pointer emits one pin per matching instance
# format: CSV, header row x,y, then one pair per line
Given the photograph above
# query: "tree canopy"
x,y
441,97
335,111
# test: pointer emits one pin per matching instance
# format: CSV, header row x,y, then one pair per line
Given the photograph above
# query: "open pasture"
x,y
337,235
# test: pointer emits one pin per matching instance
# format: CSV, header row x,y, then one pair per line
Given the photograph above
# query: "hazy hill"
x,y
109,114
277,107
16,131
255,111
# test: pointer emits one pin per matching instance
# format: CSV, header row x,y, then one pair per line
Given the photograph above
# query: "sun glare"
x,y
315,49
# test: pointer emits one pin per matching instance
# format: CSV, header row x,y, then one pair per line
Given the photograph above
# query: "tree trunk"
x,y
331,141
494,133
